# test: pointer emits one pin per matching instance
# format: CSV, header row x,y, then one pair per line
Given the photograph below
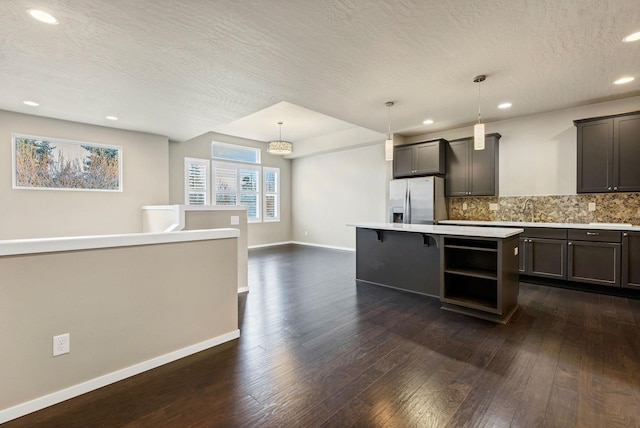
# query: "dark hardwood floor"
x,y
317,350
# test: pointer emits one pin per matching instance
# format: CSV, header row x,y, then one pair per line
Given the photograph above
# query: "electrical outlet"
x,y
235,220
493,207
592,206
464,206
61,344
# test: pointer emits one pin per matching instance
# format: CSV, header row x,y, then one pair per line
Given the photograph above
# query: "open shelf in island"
x,y
479,276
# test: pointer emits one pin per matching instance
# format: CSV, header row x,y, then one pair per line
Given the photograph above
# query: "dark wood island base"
x,y
474,271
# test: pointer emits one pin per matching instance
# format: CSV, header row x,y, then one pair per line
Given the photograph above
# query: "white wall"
x,y
538,152
200,147
46,213
333,189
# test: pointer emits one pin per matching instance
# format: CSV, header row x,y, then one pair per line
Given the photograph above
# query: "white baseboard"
x,y
93,384
331,247
273,244
308,244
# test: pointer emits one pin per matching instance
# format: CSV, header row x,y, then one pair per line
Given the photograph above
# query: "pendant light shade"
x,y
478,129
279,146
388,150
388,144
478,136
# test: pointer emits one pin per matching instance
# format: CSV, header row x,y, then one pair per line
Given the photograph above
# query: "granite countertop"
x,y
599,226
477,232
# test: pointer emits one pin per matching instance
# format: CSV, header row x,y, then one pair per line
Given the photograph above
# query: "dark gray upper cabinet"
x,y
418,159
609,153
472,172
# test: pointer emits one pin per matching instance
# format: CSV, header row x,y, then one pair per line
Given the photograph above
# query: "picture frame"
x,y
46,163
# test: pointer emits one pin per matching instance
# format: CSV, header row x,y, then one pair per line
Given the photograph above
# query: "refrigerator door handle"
x,y
407,207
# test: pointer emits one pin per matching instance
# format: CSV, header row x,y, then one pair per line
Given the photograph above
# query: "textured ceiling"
x,y
183,68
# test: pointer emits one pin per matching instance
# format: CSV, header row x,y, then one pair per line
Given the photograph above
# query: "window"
x,y
233,152
238,184
234,183
271,202
196,190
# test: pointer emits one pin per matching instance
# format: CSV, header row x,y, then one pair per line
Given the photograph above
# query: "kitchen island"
x,y
472,270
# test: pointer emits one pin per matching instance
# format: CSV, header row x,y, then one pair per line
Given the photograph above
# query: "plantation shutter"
x,y
226,179
196,181
271,194
249,180
237,184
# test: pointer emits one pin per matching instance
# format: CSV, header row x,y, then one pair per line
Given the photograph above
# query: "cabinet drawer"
x,y
594,235
544,232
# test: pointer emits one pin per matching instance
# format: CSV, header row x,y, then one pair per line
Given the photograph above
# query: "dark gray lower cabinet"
x,y
631,259
543,257
594,262
594,256
543,252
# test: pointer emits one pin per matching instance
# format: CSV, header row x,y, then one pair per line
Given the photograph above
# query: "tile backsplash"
x,y
609,208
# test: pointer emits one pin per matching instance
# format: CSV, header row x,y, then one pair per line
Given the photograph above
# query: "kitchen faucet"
x,y
524,207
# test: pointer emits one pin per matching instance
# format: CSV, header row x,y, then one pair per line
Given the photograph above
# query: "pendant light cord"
x,y
479,79
389,104
479,101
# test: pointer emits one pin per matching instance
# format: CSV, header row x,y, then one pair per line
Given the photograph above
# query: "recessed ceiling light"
x,y
43,16
31,103
427,121
504,105
623,80
632,37
111,117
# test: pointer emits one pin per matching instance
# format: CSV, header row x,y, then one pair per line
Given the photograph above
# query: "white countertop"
x,y
72,243
600,226
478,232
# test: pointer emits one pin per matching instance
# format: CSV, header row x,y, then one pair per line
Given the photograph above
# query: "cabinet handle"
x,y
615,188
569,243
625,234
609,188
593,234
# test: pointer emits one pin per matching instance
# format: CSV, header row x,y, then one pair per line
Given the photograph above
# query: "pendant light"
x,y
279,146
388,144
478,128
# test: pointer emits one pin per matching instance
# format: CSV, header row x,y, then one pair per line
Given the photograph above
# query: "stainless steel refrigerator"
x,y
417,200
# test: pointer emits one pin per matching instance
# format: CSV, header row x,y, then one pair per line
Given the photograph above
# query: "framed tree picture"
x,y
52,163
